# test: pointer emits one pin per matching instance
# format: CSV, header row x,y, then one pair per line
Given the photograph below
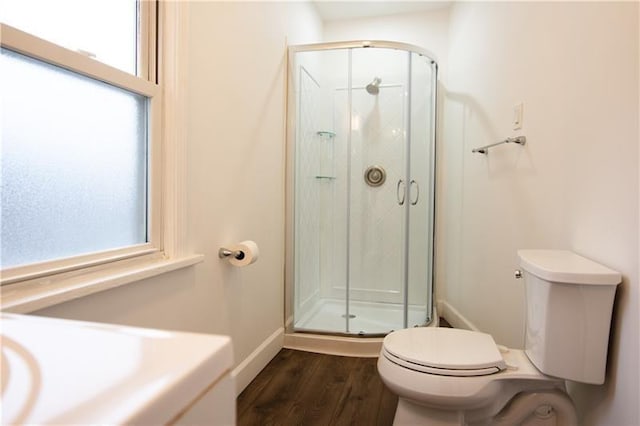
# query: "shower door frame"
x,y
291,132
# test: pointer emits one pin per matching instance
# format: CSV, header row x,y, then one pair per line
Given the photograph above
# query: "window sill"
x,y
37,294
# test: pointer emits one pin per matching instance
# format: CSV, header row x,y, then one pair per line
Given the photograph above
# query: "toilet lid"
x,y
444,351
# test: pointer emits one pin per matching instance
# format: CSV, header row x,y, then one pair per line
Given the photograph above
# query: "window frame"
x,y
144,84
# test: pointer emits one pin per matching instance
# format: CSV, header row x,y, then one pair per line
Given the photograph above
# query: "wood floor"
x,y
304,388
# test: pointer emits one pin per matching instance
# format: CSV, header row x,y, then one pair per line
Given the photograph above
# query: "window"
x,y
80,149
104,30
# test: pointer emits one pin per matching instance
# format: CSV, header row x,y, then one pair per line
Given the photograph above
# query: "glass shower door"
x,y
420,191
377,198
320,193
362,189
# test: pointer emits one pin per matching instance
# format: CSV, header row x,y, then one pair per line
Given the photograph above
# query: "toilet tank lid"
x,y
564,266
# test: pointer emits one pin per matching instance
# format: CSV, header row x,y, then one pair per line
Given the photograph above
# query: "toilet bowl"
x,y
457,377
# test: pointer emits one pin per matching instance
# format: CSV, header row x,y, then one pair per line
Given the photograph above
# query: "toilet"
x,y
446,376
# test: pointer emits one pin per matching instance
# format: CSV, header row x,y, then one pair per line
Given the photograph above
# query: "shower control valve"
x,y
375,176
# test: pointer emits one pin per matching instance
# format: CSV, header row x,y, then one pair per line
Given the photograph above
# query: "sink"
x,y
71,372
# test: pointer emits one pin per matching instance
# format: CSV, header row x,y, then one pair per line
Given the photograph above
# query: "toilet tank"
x,y
569,302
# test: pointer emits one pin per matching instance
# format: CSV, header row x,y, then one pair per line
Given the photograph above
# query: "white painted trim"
x,y
173,67
148,32
290,294
40,269
168,167
51,53
33,295
156,172
252,365
454,317
365,347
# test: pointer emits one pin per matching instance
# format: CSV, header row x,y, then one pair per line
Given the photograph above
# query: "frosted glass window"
x,y
105,29
74,163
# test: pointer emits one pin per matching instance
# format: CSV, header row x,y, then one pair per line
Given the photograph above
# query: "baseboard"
x,y
454,317
252,365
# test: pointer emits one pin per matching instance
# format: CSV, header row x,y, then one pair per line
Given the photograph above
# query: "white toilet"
x,y
446,376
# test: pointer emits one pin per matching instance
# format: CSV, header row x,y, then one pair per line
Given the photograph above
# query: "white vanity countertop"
x,y
71,372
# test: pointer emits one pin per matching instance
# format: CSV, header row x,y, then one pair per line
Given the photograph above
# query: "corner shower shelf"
x,y
326,133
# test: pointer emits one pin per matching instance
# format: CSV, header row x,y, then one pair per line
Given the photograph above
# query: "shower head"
x,y
373,88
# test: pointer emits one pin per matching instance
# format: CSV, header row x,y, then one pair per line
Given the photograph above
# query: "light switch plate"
x,y
517,116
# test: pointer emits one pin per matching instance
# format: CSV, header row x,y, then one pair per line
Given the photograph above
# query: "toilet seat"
x,y
463,381
444,351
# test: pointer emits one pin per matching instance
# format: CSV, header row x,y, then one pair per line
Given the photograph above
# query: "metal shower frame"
x,y
290,155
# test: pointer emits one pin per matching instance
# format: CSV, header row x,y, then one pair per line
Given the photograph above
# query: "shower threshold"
x,y
365,318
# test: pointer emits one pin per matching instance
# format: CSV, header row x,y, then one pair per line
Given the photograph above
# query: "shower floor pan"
x,y
328,316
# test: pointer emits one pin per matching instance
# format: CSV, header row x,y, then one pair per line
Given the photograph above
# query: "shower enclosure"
x,y
361,140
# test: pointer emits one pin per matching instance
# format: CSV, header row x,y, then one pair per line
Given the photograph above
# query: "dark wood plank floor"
x,y
304,388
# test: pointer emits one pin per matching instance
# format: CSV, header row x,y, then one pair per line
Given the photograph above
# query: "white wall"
x,y
235,187
575,184
428,30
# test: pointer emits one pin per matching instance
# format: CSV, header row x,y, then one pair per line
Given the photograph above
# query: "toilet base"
x,y
545,408
410,413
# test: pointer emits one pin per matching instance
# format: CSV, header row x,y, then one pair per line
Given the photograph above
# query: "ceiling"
x,y
336,10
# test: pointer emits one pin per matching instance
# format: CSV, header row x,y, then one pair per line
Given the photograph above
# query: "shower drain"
x,y
351,316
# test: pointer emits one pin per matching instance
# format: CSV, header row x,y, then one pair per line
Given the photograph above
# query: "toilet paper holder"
x,y
240,254
223,253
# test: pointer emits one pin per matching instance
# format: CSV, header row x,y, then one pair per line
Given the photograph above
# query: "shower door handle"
x,y
400,194
411,185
